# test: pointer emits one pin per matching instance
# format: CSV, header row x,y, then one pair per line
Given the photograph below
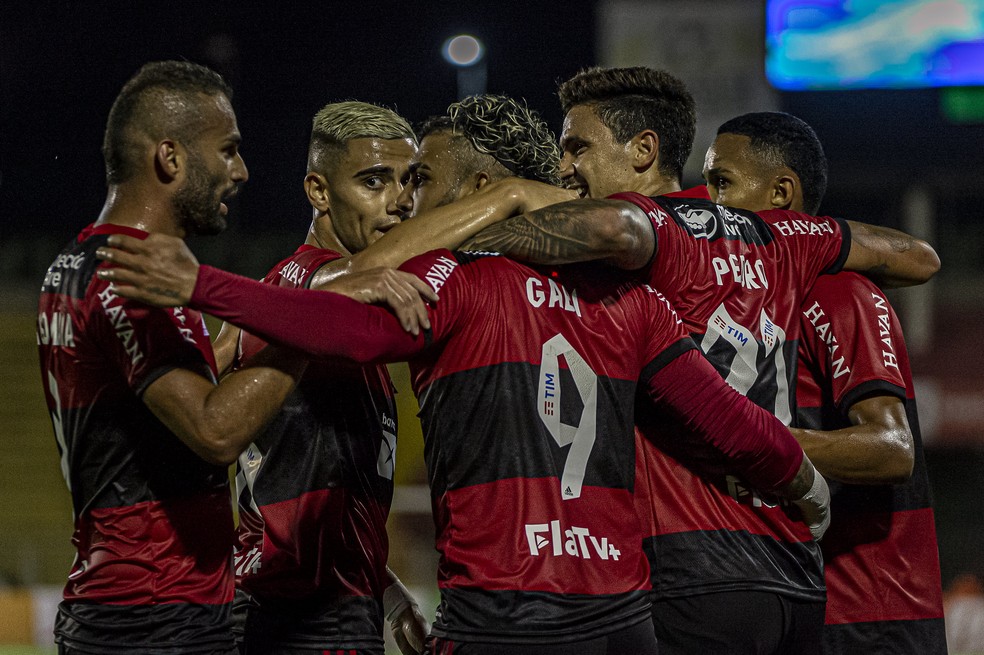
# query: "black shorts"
x,y
307,626
638,639
738,623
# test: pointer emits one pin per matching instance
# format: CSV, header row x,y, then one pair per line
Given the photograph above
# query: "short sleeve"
x,y
854,338
818,245
146,342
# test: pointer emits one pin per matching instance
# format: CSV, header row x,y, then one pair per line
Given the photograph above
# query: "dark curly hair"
x,y
630,100
781,139
508,131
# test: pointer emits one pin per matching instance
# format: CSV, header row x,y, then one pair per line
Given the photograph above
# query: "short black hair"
x,y
630,100
785,140
161,99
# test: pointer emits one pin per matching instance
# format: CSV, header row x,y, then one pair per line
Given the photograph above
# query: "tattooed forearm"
x,y
889,257
577,231
872,236
800,484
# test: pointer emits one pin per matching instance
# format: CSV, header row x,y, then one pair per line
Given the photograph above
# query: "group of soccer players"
x,y
606,366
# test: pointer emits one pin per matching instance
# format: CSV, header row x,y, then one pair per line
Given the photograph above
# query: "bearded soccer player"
x,y
527,382
732,571
881,558
523,524
144,433
322,472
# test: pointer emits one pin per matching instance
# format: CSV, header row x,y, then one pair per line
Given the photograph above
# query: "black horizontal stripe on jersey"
x,y
314,624
923,636
327,434
130,457
570,617
706,561
464,443
167,628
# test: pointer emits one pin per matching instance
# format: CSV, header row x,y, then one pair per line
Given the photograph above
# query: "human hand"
x,y
408,625
159,270
402,292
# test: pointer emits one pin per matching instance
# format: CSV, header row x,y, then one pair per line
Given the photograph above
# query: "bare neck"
x,y
134,206
660,185
321,234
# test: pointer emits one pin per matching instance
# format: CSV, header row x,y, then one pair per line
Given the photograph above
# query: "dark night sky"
x,y
62,63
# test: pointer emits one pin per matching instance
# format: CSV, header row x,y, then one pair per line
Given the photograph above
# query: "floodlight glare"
x,y
463,50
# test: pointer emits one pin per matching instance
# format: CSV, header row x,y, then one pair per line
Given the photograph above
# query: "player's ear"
x,y
480,179
316,188
644,148
168,161
783,192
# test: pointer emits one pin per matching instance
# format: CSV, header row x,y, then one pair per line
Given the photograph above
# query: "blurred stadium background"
x,y
906,156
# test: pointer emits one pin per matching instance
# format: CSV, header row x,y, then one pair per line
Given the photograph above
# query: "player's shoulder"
x,y
704,219
788,223
843,287
296,270
72,274
444,263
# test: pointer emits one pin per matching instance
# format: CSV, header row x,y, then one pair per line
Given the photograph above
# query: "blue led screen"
x,y
865,44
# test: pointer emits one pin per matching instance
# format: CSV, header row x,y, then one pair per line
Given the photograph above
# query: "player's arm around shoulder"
x,y
615,231
889,257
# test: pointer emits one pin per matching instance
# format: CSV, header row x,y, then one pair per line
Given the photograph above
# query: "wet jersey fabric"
x,y
881,556
153,525
737,279
527,409
528,381
314,495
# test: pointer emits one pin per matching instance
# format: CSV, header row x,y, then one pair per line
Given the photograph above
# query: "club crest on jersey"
x,y
702,223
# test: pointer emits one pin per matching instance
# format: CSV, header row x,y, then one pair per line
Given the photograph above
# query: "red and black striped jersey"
x,y
528,381
881,556
737,280
527,398
153,525
315,490
526,401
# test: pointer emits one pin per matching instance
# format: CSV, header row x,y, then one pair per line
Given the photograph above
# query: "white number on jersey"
x,y
758,361
580,437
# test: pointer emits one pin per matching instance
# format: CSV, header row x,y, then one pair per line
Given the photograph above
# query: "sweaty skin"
x,y
878,448
621,234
